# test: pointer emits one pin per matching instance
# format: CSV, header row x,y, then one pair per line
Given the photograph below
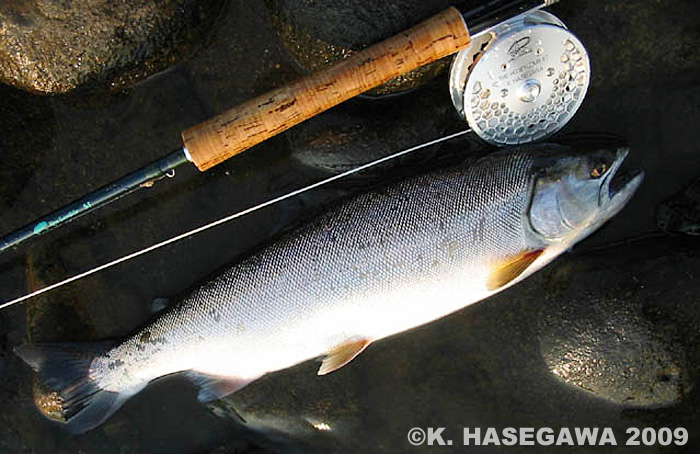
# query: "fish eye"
x,y
598,170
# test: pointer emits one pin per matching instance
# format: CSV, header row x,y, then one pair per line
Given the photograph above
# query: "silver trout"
x,y
376,265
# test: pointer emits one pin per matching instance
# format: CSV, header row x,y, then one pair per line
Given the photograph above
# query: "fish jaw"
x,y
615,192
571,202
617,189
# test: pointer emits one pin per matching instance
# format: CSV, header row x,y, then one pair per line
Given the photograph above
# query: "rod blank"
x,y
106,194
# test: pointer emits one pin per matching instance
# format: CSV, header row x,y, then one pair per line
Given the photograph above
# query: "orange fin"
x,y
511,268
342,354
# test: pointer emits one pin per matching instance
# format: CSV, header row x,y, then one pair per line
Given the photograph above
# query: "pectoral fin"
x,y
511,268
212,387
342,354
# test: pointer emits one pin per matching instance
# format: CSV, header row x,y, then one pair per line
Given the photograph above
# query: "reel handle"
x,y
258,119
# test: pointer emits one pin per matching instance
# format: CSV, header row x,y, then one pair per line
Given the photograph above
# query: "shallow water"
x,y
483,367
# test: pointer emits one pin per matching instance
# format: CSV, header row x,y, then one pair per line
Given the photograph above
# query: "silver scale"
x,y
522,81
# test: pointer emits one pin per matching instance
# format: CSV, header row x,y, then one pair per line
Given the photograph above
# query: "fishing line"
x,y
521,80
232,217
517,27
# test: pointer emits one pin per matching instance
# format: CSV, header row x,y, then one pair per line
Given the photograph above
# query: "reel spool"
x,y
522,81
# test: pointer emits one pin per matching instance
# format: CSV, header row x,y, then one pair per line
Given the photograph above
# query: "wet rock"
x,y
239,448
613,351
52,319
351,23
54,47
358,132
605,329
26,132
4,343
320,33
681,213
628,41
48,402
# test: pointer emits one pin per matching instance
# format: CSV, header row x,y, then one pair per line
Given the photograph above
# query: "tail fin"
x,y
65,369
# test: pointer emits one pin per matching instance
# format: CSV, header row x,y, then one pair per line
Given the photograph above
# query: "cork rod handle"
x,y
254,121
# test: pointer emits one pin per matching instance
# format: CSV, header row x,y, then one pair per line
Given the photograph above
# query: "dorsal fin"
x,y
342,354
510,268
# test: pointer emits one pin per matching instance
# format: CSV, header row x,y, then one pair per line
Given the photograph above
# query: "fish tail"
x,y
65,368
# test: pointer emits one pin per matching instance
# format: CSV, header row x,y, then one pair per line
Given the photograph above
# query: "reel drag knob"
x,y
521,81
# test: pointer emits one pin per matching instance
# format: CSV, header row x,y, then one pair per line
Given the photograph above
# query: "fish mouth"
x,y
619,186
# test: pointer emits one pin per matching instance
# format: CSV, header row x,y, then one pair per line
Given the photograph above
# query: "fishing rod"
x,y
543,78
232,132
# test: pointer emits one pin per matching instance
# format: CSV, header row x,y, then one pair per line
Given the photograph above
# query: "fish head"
x,y
574,193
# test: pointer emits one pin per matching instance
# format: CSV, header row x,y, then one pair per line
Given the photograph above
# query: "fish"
x,y
375,265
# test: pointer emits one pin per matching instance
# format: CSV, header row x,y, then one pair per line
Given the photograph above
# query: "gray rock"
x,y
361,131
609,348
633,41
353,23
4,343
44,314
51,47
26,132
681,213
612,326
319,33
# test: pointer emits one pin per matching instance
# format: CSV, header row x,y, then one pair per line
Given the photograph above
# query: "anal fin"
x,y
511,268
213,387
342,354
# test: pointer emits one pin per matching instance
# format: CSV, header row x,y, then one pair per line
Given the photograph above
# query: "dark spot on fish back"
x,y
145,337
159,340
114,364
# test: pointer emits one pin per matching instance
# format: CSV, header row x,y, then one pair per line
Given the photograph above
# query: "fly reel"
x,y
521,81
